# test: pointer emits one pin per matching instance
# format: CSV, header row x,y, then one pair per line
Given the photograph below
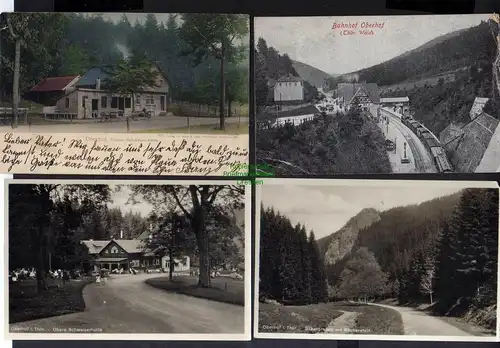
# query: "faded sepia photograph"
x,y
143,259
377,260
372,94
124,72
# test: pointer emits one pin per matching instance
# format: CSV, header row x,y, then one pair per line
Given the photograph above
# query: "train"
x,y
431,144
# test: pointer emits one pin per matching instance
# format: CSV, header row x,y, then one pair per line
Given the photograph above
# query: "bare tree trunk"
x,y
15,85
222,88
229,102
430,294
171,265
40,266
202,241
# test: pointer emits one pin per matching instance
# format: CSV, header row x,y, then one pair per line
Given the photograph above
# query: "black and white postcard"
x,y
377,260
125,72
385,94
132,261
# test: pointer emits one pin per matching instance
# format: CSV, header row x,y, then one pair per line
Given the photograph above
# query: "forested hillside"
x,y
441,77
290,269
420,254
347,143
270,65
314,76
69,44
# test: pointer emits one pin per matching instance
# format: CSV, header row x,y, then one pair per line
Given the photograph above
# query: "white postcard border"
x,y
367,183
244,336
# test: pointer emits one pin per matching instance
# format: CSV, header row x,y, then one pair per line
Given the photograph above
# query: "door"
x,y
162,103
95,107
121,104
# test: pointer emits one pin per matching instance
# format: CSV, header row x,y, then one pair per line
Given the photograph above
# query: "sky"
x,y
312,40
326,209
120,199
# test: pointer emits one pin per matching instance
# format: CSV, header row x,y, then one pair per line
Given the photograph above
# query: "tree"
x,y
236,87
131,76
215,35
74,61
196,202
170,238
36,204
427,282
35,35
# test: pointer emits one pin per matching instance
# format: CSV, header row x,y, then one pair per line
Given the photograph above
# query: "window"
x,y
157,261
150,100
84,100
127,103
134,263
114,103
66,103
138,99
104,102
114,250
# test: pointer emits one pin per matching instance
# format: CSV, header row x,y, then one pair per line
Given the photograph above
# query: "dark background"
x,y
269,8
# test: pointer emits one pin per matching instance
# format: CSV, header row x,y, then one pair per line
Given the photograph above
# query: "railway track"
x,y
420,163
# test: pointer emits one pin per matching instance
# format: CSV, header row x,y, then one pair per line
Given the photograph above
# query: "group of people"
x,y
30,273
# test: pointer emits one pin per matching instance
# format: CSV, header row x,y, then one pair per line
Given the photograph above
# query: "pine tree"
x,y
306,266
319,288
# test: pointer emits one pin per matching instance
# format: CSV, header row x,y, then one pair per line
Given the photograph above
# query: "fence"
x,y
184,108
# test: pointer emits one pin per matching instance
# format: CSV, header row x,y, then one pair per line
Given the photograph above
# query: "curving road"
x,y
125,304
419,323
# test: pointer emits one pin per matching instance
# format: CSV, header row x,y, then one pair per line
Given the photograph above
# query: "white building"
x,y
289,89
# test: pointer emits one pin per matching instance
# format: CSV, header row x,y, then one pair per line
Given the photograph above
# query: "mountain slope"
x,y
448,52
336,246
314,76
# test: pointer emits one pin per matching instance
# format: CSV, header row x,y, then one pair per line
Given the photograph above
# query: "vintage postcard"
x,y
372,94
377,260
82,74
128,261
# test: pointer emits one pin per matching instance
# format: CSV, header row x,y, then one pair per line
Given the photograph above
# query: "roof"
x,y
110,259
490,162
470,146
131,246
53,84
477,107
395,100
289,78
90,77
348,90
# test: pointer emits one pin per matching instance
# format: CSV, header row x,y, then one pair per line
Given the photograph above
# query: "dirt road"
x,y
420,323
155,123
125,304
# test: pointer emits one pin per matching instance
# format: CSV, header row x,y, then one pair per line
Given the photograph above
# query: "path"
x,y
125,304
155,123
419,323
343,324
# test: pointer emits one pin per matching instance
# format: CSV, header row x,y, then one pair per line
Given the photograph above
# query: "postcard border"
x,y
244,336
359,337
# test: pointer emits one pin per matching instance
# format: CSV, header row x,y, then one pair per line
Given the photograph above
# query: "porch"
x,y
111,263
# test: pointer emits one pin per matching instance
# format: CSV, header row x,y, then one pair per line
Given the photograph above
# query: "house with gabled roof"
x,y
129,253
50,89
288,89
367,95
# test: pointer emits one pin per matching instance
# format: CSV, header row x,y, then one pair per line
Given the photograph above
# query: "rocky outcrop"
x,y
337,245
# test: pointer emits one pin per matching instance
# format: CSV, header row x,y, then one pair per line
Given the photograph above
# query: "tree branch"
x,y
207,40
177,200
11,29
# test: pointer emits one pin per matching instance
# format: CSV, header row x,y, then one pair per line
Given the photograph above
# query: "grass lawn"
x,y
187,285
231,129
315,318
25,304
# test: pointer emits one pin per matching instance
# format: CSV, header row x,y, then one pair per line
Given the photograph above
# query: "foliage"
x,y
291,270
346,143
204,208
36,210
65,44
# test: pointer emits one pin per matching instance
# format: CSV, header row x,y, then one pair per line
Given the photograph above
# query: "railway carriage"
x,y
441,160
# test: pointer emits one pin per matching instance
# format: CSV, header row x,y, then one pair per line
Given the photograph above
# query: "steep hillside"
x,y
337,245
446,53
314,76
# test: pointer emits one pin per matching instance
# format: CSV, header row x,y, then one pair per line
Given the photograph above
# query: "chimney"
x,y
97,83
121,234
